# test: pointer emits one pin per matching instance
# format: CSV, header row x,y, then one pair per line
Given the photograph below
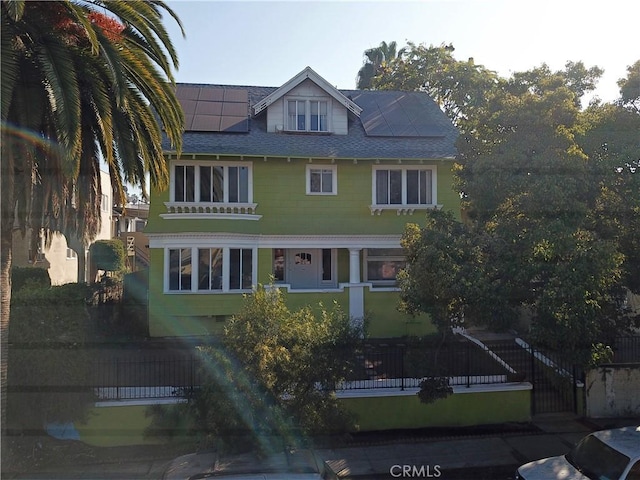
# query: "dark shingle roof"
x,y
435,139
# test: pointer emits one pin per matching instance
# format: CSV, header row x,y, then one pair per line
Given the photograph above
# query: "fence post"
x,y
402,373
468,353
533,380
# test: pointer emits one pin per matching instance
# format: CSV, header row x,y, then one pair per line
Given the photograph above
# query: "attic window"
x,y
305,115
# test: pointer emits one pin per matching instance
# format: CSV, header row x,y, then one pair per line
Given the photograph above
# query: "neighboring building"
x,y
304,185
129,223
66,260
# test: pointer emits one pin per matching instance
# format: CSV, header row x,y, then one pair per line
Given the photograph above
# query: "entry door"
x,y
304,268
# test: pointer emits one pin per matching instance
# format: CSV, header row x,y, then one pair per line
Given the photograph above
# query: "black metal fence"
x,y
144,374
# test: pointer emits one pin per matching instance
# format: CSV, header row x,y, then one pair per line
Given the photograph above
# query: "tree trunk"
x,y
5,292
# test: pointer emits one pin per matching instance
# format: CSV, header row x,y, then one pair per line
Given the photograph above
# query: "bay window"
x,y
210,269
212,182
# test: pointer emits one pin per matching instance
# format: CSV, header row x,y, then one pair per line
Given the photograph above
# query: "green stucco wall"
x,y
458,410
280,192
385,321
116,426
125,425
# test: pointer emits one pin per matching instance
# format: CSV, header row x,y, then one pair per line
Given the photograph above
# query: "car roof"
x,y
626,440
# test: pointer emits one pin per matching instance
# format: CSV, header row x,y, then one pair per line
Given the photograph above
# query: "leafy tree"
x,y
80,81
274,374
459,87
630,88
375,59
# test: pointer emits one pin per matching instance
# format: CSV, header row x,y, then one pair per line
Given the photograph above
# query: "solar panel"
x,y
214,109
398,114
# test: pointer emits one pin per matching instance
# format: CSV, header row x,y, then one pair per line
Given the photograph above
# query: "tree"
x,y
80,81
108,255
275,372
375,59
630,88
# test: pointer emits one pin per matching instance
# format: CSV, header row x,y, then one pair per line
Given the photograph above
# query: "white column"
x,y
354,265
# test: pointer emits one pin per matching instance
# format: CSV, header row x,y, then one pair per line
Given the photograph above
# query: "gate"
x,y
555,381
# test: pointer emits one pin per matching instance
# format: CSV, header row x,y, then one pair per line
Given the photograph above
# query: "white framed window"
x,y
383,264
209,269
404,185
307,115
212,182
104,203
322,179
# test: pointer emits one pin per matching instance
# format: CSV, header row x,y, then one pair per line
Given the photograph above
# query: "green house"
x,y
302,186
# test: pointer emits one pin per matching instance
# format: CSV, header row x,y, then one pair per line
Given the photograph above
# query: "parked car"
x,y
290,464
603,455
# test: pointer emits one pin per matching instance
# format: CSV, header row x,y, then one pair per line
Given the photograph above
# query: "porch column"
x,y
354,265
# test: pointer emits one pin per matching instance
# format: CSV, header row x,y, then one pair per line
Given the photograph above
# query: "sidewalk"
x,y
459,458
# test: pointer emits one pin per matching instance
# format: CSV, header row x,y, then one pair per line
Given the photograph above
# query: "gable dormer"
x,y
307,104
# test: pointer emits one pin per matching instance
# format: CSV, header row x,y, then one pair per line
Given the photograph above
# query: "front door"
x,y
304,268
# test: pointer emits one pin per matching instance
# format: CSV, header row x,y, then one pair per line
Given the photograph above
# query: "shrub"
x,y
108,255
29,277
49,369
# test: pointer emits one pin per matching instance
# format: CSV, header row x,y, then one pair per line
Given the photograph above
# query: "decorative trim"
x,y
401,209
161,240
209,216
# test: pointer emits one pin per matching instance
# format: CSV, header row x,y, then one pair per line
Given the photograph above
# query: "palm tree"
x,y
375,59
82,80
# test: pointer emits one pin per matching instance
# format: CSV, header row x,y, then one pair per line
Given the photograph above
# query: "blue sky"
x,y
267,42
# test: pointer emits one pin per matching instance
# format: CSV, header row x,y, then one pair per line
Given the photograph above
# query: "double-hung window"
x,y
210,269
307,115
404,186
322,180
212,182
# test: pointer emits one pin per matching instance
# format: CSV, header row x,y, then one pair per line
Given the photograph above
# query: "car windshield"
x,y
597,460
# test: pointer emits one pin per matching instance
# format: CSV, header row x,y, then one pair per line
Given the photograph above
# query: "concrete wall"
x,y
613,391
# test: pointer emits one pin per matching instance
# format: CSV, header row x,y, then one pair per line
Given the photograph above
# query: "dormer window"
x,y
307,115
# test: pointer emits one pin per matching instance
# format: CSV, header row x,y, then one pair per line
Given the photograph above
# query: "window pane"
x,y
178,193
185,269
218,184
427,190
243,181
278,264
210,269
395,186
413,187
174,269
205,184
301,115
323,116
314,126
327,181
233,184
234,269
315,180
247,268
326,264
382,187
189,184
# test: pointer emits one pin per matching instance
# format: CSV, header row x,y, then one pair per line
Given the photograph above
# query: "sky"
x,y
265,43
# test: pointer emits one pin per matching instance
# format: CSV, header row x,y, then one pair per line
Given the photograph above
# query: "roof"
x,y
307,73
391,125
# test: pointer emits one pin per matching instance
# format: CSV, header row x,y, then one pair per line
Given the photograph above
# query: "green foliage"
x,y
274,373
108,255
29,277
434,388
49,370
600,354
